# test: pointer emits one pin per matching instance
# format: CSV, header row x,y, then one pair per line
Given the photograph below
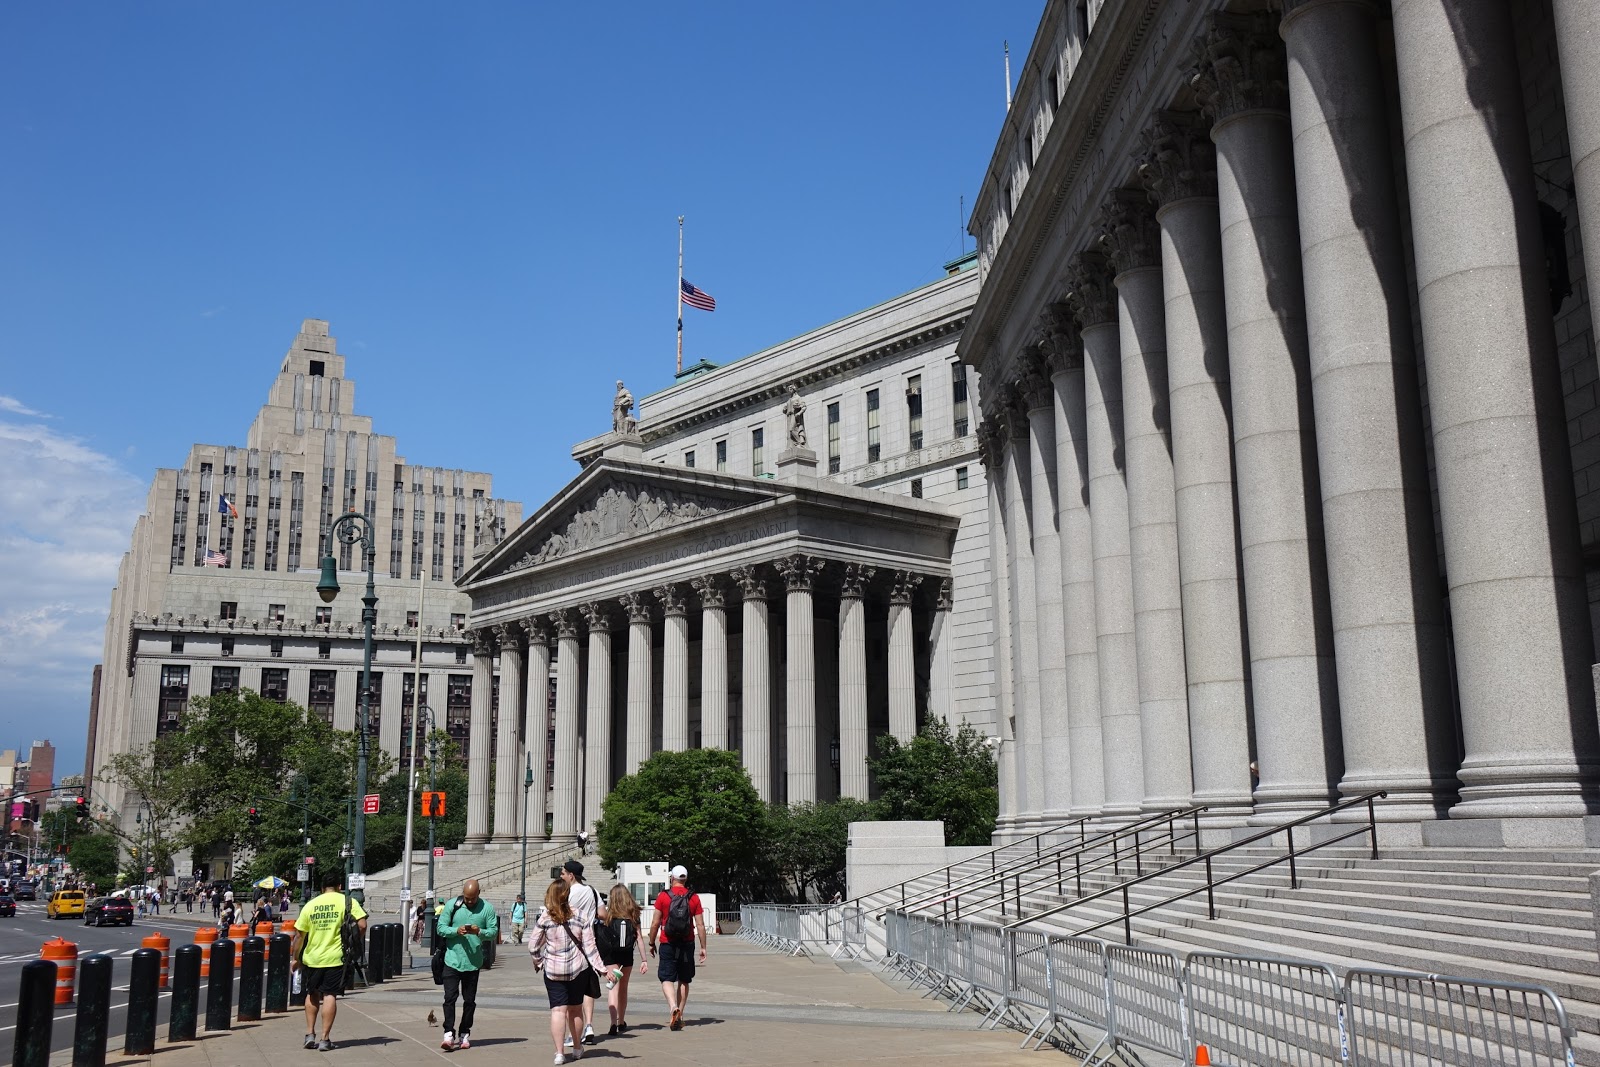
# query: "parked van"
x,y
65,903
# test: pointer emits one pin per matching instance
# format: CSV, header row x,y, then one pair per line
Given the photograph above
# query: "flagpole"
x,y
680,294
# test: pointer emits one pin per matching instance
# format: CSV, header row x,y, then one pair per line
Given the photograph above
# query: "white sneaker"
x,y
588,1035
449,1041
568,1042
559,1060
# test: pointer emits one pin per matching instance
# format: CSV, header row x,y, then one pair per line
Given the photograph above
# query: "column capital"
x,y
509,635
1131,237
483,642
565,623
1179,160
538,633
1090,294
1016,407
991,442
1239,65
637,605
1033,383
673,602
752,584
855,579
904,587
943,601
713,594
799,571
596,616
1058,338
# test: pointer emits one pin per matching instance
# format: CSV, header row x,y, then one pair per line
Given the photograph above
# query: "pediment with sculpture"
x,y
622,510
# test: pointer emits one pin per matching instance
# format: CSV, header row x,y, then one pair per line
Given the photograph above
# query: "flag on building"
x,y
214,558
225,507
697,298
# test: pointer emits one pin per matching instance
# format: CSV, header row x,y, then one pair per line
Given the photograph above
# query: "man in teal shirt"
x,y
519,918
467,924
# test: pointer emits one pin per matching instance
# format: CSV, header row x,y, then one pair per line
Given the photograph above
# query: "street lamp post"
x,y
433,784
527,784
354,528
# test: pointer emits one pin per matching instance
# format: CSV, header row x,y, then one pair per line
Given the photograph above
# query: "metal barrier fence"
x,y
840,930
1101,1000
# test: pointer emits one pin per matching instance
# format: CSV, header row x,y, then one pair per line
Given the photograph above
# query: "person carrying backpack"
x,y
616,938
678,920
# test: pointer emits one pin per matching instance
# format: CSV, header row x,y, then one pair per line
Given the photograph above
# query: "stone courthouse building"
x,y
1295,441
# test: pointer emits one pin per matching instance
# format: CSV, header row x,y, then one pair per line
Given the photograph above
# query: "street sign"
x,y
405,893
149,870
302,875
369,804
358,881
311,861
438,853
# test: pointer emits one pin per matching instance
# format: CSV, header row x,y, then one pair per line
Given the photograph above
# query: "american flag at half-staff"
x,y
688,294
698,298
214,558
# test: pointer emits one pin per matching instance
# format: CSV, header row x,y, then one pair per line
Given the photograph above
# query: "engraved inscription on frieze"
x,y
622,510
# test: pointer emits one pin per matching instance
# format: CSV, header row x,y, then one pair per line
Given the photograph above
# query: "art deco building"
x,y
180,628
1295,440
786,556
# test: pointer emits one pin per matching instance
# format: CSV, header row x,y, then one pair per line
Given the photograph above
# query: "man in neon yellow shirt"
x,y
318,952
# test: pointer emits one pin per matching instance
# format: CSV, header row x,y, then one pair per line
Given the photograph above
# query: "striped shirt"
x,y
563,949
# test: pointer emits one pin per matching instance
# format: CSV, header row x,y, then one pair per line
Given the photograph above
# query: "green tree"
x,y
697,808
809,843
942,774
386,831
94,858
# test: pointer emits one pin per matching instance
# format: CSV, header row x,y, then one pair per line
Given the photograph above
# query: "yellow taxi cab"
x,y
65,902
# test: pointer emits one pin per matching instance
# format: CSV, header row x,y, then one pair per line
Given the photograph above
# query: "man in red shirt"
x,y
678,920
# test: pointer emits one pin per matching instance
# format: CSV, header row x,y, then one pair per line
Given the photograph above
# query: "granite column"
x,y
713,661
756,681
853,780
799,575
565,801
674,669
641,680
536,726
597,727
508,768
902,658
481,730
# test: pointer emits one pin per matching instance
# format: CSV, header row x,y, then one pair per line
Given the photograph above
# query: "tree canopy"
x,y
943,774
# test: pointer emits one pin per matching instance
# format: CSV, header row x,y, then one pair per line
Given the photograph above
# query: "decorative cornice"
x,y
799,571
904,588
943,601
752,585
1178,161
565,623
1033,384
1239,65
853,584
637,605
1089,290
673,601
1058,332
713,594
596,616
1131,237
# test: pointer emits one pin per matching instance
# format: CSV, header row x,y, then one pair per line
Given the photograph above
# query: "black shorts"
x,y
677,962
622,957
566,992
323,981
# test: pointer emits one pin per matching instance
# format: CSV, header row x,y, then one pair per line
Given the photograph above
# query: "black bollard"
x,y
36,1010
219,994
94,1011
377,955
144,993
253,952
185,994
397,949
278,972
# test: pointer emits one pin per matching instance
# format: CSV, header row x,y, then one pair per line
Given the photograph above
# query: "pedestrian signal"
x,y
433,804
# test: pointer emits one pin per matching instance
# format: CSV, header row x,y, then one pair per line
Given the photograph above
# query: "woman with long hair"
x,y
563,949
616,948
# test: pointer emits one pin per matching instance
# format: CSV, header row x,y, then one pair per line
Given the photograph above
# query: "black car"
x,y
24,891
108,911
8,906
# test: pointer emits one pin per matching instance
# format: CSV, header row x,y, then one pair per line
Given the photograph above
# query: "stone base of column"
x,y
1276,806
1224,810
1581,832
1523,790
1417,798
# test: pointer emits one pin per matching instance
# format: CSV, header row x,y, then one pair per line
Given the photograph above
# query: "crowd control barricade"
x,y
1402,1019
1030,977
1145,994
991,973
1262,1012
1078,995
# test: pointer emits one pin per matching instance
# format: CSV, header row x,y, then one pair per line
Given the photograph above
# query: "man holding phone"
x,y
466,924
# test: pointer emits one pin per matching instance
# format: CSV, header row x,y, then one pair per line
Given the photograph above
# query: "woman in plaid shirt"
x,y
564,950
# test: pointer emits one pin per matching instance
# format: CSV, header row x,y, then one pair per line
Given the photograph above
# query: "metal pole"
x,y
527,785
369,620
411,779
433,781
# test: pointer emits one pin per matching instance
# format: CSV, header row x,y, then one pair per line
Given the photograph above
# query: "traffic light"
x,y
433,804
255,817
83,808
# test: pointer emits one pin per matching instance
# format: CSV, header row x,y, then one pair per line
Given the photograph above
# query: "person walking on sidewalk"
x,y
586,905
616,938
317,951
519,918
468,925
563,948
678,919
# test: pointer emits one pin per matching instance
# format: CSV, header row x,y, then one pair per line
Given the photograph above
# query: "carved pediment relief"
x,y
621,510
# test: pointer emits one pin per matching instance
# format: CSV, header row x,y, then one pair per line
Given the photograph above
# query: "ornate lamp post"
x,y
351,529
527,784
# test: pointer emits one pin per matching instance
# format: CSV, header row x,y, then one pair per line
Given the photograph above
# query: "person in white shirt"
x,y
585,903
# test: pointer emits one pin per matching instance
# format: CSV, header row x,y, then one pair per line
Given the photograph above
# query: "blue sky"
x,y
480,198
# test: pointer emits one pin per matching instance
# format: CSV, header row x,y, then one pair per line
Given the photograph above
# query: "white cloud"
x,y
211,313
66,513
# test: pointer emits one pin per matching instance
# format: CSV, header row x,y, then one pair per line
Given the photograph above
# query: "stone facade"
x,y
1311,287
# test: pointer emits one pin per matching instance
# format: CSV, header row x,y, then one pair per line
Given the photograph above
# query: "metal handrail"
x,y
992,854
1112,836
1211,883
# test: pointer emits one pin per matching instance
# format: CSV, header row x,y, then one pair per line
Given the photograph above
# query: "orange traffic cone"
x,y
1202,1057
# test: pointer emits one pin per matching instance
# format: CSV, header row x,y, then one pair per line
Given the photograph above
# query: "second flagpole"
x,y
680,294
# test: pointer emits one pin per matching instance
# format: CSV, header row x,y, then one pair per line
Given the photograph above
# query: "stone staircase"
x,y
497,868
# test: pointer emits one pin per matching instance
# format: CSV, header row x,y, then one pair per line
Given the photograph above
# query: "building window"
x,y
174,695
961,477
461,654
324,649
275,612
224,680
277,648
914,411
458,622
916,488
411,620
722,455
758,442
958,393
874,448
229,611
688,458
324,616
177,643
275,684
227,646
322,685
316,368
833,438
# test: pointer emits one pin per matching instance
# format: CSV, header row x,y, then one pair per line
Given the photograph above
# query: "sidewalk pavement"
x,y
748,1006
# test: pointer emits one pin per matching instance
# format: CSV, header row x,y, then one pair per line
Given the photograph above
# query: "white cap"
x,y
680,872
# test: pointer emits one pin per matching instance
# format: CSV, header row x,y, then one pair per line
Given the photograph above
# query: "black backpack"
x,y
616,937
680,924
438,945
